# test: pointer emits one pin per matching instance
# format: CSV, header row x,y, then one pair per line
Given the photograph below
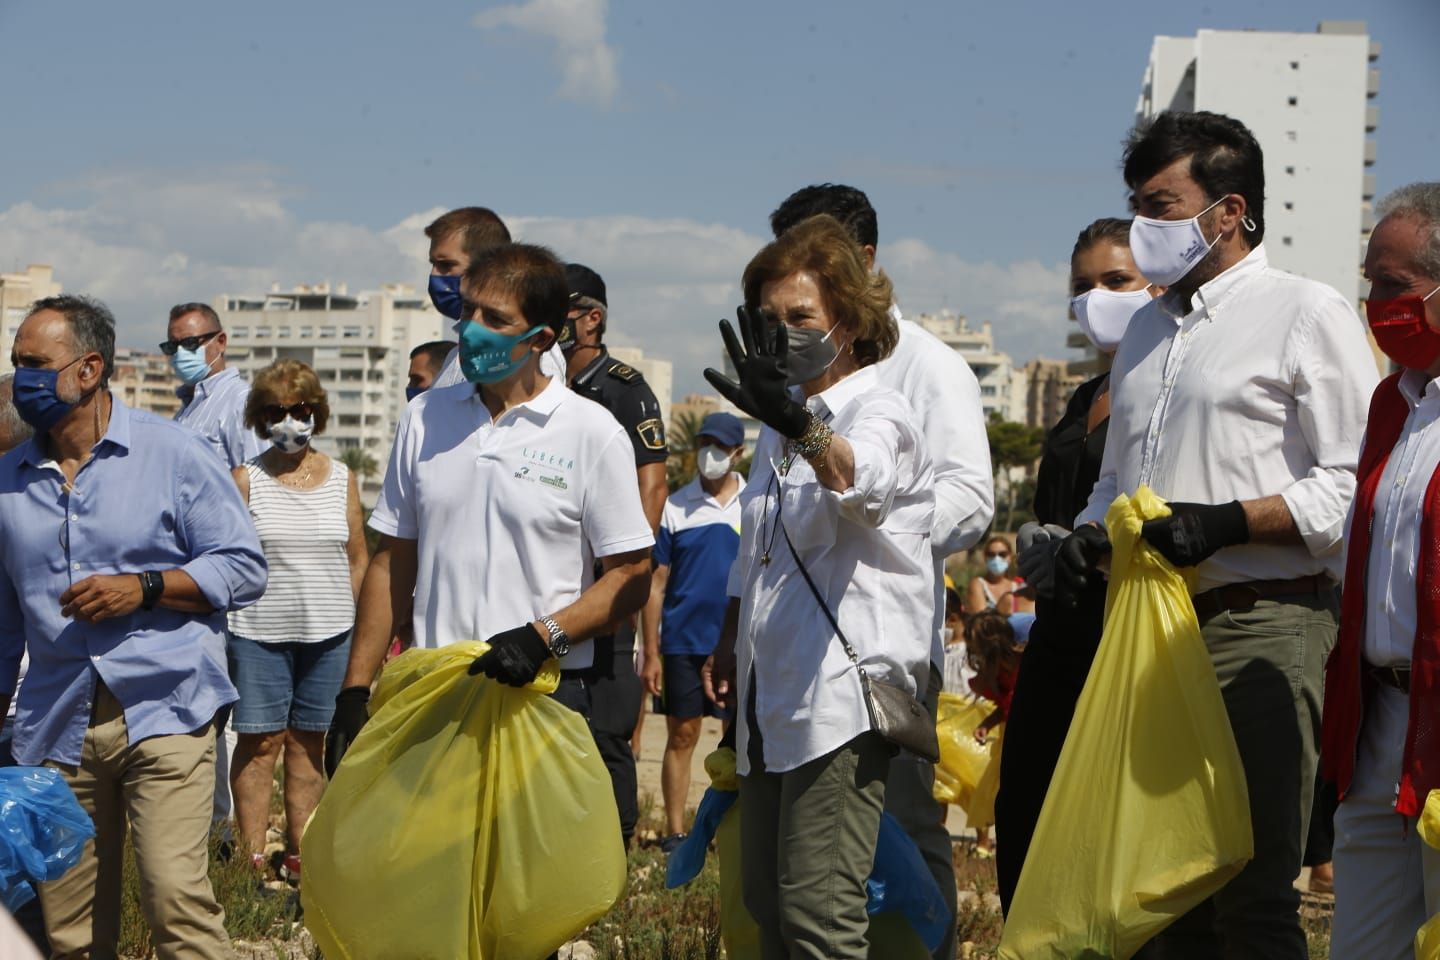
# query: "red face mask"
x,y
1401,331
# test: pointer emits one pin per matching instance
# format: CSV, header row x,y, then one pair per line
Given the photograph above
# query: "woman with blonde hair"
x,y
837,579
288,652
997,588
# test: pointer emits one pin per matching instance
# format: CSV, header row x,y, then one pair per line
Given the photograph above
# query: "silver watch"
x,y
559,639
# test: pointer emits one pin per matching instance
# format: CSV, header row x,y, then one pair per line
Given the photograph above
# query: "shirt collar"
x,y
593,367
1416,385
117,433
544,403
1213,292
191,392
835,397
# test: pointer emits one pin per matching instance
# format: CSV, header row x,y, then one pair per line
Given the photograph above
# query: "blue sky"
x,y
198,148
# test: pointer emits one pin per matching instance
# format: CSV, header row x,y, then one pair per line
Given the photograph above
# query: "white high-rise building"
x,y
1002,387
1307,98
17,292
359,345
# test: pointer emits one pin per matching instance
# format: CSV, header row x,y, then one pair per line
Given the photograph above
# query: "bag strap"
x,y
834,625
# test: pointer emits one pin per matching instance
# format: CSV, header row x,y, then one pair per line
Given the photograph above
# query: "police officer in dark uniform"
x,y
617,691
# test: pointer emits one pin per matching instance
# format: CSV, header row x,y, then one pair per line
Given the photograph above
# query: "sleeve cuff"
x,y
210,578
1310,509
627,545
387,525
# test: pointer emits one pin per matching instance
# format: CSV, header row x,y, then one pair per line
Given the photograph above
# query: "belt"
x,y
1244,596
1396,677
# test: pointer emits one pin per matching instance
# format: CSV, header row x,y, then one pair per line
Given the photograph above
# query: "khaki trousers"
x,y
164,786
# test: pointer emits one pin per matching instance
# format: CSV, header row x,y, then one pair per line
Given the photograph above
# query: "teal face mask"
x,y
485,356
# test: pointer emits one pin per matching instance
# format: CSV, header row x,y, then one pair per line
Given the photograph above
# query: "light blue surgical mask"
x,y
998,566
485,356
190,365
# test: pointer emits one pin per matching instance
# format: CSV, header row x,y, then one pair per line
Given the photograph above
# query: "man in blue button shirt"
x,y
123,542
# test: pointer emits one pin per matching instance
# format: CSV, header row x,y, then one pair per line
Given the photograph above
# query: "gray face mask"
x,y
811,353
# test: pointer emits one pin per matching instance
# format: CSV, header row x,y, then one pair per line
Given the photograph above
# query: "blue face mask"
x,y
485,356
445,294
190,365
412,392
36,398
999,566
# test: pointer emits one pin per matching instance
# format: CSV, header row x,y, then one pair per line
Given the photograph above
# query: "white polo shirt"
x,y
509,514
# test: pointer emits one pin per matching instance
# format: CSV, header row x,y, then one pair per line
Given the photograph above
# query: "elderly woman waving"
x,y
837,584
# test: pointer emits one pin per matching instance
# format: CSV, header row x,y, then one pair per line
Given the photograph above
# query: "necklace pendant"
x,y
765,559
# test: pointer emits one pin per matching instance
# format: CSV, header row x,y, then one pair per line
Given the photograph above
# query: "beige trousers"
x,y
164,786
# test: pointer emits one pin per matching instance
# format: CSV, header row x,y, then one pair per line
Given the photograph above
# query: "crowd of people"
x,y
184,604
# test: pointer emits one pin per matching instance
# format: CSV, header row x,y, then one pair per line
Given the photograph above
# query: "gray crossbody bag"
x,y
894,714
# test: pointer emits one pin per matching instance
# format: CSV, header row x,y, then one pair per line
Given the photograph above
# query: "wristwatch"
x,y
559,639
152,584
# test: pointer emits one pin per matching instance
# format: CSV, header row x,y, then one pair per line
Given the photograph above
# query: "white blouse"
x,y
868,551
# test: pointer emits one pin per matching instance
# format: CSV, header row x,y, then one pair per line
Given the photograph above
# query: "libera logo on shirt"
x,y
556,467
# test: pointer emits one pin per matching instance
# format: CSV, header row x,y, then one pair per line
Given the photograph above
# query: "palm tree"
x,y
680,466
361,463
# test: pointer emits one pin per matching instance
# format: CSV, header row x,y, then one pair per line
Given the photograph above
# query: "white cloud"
x,y
587,63
142,242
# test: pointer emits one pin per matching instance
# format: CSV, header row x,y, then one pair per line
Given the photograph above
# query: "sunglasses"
x,y
274,413
1004,554
189,343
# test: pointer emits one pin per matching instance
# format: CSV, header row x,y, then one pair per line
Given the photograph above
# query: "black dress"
x,y
1061,648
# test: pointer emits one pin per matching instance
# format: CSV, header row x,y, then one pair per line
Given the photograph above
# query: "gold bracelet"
x,y
814,443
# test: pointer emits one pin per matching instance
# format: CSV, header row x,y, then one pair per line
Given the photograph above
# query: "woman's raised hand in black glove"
x,y
760,366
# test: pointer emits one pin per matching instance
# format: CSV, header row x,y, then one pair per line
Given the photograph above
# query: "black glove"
x,y
514,657
762,391
1035,549
351,712
1194,531
1075,561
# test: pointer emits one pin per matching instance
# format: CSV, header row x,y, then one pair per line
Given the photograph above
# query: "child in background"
x,y
995,657
957,665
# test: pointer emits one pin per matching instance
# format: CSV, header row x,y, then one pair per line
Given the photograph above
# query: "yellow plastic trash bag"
x,y
963,761
468,820
1148,813
1427,941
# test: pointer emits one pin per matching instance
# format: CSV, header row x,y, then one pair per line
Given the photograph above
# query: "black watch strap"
x,y
152,584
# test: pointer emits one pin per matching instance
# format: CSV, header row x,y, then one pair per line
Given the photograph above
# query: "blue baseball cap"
x,y
725,427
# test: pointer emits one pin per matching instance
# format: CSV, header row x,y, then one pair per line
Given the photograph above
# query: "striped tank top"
x,y
303,533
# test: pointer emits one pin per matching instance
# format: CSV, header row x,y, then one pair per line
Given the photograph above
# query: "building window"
x,y
1294,64
1289,205
282,333
1290,171
1291,135
350,333
1287,241
265,332
1293,101
307,333
327,333
241,332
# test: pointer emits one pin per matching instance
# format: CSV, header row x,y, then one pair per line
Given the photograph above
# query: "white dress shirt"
x,y
509,514
868,551
1260,386
1391,618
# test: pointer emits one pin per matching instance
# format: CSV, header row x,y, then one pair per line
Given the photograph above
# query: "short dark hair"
x,y
204,309
480,228
92,326
1105,230
1224,157
846,204
435,352
532,275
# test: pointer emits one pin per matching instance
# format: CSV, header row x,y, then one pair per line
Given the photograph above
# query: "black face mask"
x,y
566,339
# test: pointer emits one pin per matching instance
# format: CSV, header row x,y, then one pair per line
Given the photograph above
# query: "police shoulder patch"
x,y
651,433
625,372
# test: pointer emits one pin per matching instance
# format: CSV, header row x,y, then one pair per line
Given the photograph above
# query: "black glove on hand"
x,y
514,657
1035,549
1075,561
1194,531
351,712
760,365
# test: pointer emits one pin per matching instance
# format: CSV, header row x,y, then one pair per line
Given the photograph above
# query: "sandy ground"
x,y
652,748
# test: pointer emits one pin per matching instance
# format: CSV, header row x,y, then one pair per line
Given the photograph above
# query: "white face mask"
x,y
292,435
713,462
1105,314
1166,250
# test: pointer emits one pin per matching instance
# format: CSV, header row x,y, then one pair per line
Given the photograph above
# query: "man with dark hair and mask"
x,y
618,692
1240,397
123,544
554,490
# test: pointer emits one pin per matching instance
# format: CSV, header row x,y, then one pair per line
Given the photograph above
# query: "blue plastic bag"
x,y
688,859
43,830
